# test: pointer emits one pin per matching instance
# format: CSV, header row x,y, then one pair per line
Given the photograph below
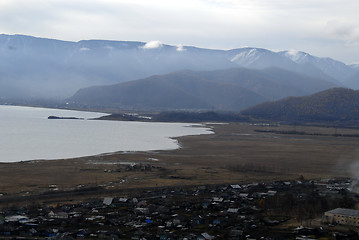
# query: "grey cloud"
x,y
340,29
205,23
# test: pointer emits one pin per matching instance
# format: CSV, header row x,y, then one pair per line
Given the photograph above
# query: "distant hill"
x,y
231,89
39,68
337,104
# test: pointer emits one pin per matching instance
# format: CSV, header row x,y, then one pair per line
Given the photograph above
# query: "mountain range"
x,y
33,67
153,75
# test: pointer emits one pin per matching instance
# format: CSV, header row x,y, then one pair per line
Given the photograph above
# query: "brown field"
x,y
236,153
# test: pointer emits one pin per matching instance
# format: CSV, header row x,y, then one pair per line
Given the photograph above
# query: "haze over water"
x,y
27,134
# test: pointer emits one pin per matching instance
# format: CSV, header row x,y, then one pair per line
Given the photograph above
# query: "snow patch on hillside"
x,y
247,57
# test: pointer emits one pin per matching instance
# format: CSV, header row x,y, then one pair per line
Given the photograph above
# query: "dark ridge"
x,y
335,105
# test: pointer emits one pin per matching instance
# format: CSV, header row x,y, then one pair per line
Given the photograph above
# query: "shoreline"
x,y
210,130
39,138
220,158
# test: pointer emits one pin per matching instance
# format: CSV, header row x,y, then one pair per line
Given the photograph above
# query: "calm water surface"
x,y
27,134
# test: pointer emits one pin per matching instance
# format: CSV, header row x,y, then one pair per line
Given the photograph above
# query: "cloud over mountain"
x,y
152,45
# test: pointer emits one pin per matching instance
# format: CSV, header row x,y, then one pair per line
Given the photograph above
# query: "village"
x,y
296,209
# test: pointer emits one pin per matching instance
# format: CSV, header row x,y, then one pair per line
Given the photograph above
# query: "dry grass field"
x,y
236,153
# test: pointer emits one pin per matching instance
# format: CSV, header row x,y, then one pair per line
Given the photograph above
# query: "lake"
x,y
27,134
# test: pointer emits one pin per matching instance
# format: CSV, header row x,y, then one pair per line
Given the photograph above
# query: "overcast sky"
x,y
325,28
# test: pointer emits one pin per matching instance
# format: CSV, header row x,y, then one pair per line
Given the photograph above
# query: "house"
x,y
217,199
233,210
15,218
58,215
271,193
107,201
206,236
342,216
235,186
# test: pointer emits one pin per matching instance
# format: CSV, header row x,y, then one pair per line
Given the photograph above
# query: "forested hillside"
x,y
337,104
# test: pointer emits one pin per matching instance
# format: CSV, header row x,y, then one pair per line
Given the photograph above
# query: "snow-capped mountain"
x,y
257,58
33,67
331,67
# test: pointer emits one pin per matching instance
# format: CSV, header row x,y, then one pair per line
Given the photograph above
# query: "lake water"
x,y
27,134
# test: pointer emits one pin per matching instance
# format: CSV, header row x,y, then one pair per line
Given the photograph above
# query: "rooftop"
x,y
345,212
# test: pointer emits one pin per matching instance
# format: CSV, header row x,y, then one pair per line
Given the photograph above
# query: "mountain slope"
x,y
151,94
272,83
53,68
337,104
328,66
47,68
168,92
231,89
353,80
